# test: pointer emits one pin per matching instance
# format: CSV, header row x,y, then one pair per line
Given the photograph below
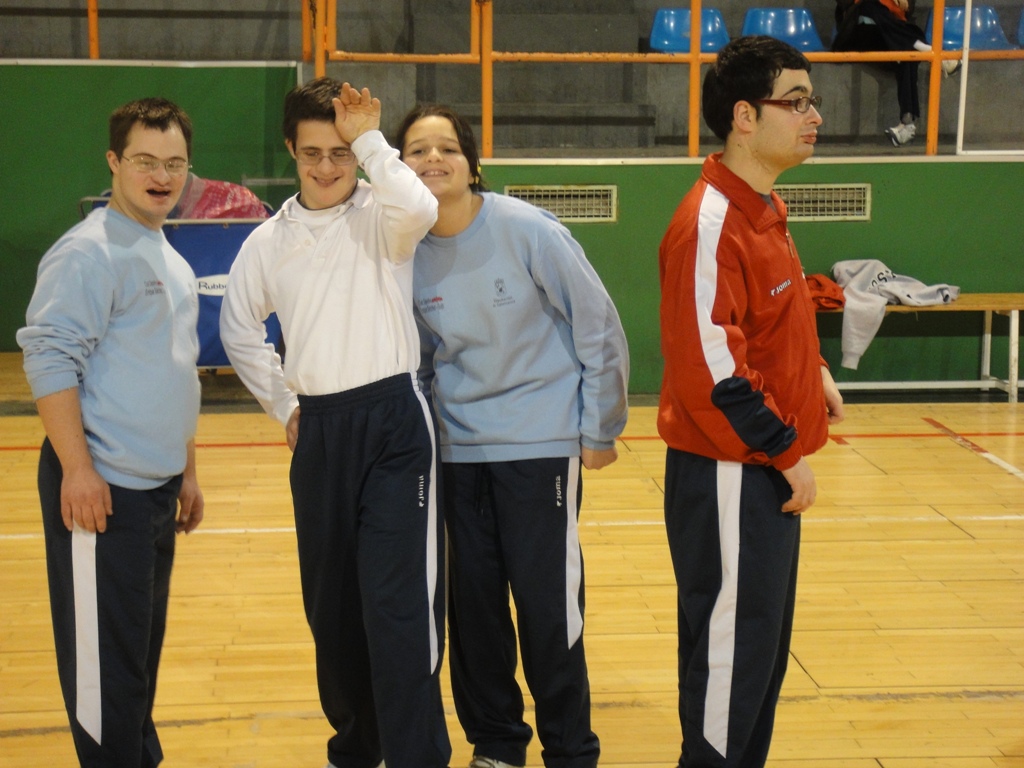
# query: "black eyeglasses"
x,y
801,105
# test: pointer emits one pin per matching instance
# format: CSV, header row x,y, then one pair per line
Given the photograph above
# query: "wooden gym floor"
x,y
908,649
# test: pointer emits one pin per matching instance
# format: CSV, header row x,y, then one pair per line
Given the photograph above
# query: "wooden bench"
x,y
1009,304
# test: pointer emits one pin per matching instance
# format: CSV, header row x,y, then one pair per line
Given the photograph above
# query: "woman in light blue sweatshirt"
x,y
527,364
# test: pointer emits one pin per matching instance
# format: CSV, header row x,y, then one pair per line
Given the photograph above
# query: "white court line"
x,y
242,531
963,442
808,518
1019,474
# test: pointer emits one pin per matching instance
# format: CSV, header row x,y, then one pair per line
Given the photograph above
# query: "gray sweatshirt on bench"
x,y
868,286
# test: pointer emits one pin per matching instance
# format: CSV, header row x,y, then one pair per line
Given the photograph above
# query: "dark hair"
x,y
312,101
746,70
151,113
463,131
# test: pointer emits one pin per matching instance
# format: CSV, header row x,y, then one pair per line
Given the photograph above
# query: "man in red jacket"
x,y
745,397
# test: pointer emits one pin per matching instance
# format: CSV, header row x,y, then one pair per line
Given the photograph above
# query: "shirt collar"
x,y
760,214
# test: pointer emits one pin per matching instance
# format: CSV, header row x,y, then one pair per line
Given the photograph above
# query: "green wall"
x,y
948,220
53,125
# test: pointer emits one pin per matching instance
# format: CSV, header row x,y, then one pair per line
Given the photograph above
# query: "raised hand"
x,y
355,113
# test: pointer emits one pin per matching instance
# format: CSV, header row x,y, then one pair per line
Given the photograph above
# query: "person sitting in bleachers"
x,y
885,25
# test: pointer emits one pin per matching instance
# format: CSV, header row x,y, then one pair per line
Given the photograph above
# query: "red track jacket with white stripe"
x,y
742,377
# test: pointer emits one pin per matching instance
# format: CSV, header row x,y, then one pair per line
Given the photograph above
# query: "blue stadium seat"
x,y
1020,28
791,25
986,31
670,32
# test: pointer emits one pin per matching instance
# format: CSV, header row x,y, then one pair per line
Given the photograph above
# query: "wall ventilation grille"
x,y
826,202
571,202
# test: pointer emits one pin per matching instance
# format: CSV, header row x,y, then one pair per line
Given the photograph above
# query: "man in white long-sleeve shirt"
x,y
335,264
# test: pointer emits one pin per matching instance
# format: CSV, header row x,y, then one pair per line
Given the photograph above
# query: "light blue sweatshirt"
x,y
114,314
528,356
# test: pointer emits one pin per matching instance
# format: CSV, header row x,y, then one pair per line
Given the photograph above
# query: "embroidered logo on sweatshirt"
x,y
432,304
154,288
501,297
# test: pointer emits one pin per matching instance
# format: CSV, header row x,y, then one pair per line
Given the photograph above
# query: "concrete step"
x,y
533,82
552,32
584,126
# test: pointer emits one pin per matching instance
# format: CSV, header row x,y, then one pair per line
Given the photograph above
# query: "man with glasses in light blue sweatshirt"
x,y
110,352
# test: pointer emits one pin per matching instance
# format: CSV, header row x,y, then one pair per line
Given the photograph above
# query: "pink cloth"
x,y
209,199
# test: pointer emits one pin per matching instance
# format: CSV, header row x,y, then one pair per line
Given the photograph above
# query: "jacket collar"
x,y
359,198
740,194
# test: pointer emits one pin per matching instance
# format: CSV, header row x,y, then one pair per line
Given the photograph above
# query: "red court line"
x,y
959,439
963,442
840,439
856,435
887,435
276,444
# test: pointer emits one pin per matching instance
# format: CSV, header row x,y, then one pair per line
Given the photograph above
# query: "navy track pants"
x,y
108,600
371,546
513,526
735,555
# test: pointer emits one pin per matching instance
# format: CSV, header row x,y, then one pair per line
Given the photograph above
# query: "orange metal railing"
x,y
482,54
93,13
320,44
